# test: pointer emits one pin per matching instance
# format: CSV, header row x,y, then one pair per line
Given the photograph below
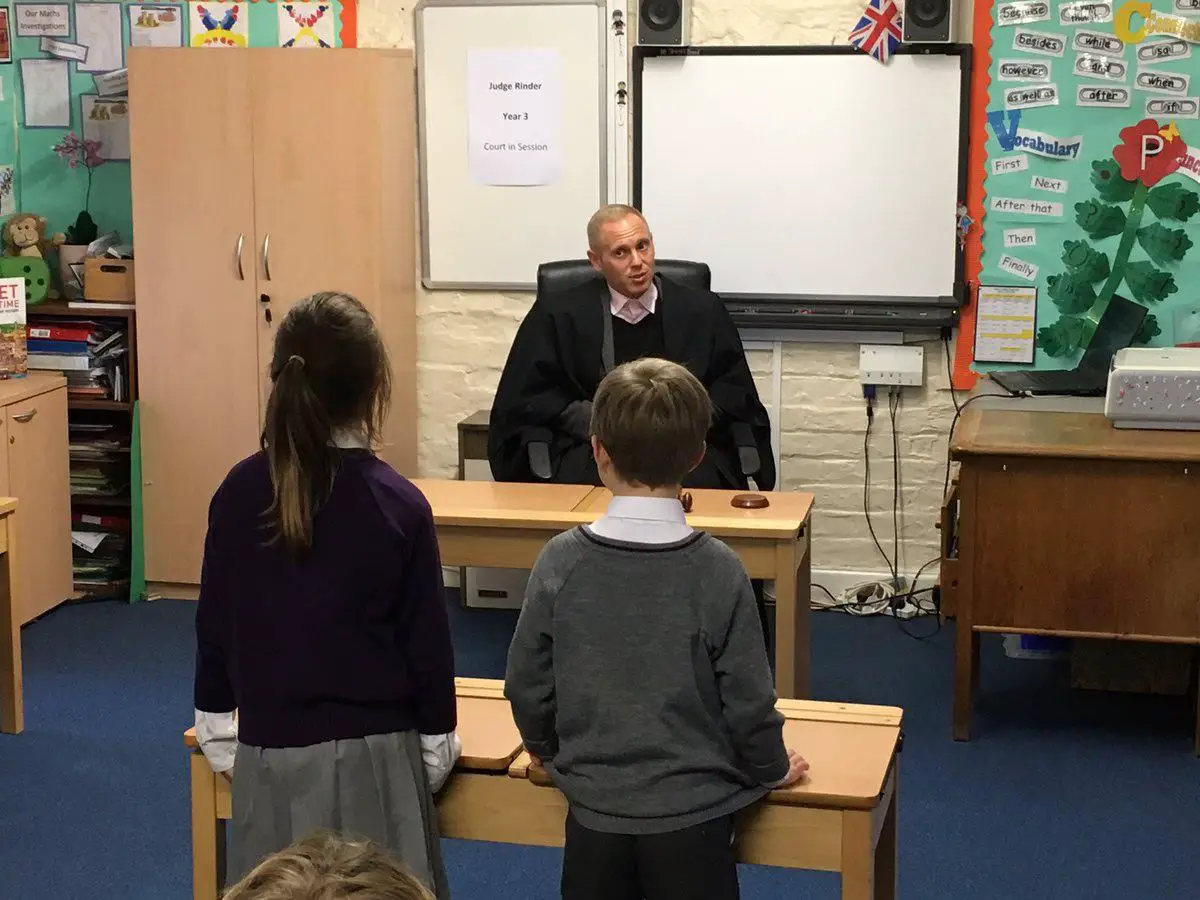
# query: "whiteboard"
x,y
478,236
805,172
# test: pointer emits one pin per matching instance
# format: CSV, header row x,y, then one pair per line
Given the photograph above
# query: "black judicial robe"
x,y
558,357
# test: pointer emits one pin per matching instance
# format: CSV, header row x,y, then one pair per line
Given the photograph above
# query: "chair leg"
x,y
760,598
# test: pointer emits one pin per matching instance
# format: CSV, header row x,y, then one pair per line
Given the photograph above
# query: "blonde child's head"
x,y
324,866
649,421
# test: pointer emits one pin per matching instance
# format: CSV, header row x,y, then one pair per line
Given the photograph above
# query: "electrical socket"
x,y
891,364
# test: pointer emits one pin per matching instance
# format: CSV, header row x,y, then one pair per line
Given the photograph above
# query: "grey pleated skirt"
x,y
373,788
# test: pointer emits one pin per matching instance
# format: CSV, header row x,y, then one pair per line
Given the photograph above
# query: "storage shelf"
x,y
82,310
93,500
113,405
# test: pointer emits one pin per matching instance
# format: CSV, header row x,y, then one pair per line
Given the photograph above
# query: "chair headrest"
x,y
565,274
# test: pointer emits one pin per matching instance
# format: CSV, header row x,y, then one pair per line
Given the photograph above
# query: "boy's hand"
x,y
797,768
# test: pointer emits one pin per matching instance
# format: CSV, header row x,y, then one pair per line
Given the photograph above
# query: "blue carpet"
x,y
1071,794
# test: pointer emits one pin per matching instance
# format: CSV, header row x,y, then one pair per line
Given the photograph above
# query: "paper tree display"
x,y
1129,198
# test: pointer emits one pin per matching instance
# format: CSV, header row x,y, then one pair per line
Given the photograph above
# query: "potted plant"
x,y
77,152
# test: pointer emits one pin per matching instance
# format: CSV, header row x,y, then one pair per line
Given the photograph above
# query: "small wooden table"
x,y
503,525
842,819
1070,527
12,696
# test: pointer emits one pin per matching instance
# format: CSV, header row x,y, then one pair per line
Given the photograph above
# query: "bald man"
x,y
571,339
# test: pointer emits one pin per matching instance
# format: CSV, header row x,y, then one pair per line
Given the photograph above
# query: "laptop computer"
x,y
1118,326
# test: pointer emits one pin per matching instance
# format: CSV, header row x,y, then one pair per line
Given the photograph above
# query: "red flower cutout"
x,y
1163,152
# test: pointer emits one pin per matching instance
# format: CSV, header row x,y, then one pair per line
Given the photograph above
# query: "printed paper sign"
x,y
1023,12
1027,97
1085,12
1097,42
64,49
1089,66
43,20
1018,267
1162,82
1020,237
1164,50
514,115
1026,207
1006,319
1087,95
1054,185
1023,70
1039,42
1006,125
1173,107
1003,165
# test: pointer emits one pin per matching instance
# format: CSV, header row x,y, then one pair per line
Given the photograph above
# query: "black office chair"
x,y
565,274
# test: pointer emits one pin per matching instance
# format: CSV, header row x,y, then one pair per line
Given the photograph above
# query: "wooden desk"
x,y
1069,527
842,819
505,526
12,697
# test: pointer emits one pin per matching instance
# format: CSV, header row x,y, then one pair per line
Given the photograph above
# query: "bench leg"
x,y
869,848
886,869
206,831
12,697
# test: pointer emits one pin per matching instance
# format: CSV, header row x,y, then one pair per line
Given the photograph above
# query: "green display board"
x,y
1093,156
43,183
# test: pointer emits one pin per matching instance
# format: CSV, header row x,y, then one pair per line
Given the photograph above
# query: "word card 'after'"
x,y
1100,96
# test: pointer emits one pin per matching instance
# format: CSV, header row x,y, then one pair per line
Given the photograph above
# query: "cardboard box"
x,y
1131,667
108,280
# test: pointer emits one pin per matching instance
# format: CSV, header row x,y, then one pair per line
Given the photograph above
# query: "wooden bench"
x,y
841,819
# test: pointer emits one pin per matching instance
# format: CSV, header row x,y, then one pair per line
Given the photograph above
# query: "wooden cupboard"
x,y
34,468
259,177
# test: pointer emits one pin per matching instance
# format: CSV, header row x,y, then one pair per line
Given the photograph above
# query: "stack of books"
x,y
92,356
101,553
99,454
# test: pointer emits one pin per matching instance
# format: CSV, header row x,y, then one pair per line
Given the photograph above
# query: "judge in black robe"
x,y
567,343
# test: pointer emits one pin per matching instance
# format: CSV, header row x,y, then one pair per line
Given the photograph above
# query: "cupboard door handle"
x,y
267,256
238,254
25,417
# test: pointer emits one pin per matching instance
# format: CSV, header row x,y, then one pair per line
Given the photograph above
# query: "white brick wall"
x,y
464,339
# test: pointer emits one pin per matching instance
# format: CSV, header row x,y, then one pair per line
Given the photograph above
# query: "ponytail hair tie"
x,y
297,359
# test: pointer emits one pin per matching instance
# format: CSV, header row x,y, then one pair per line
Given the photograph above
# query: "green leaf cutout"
x,y
1064,337
1085,263
1098,219
1070,293
1173,201
1164,245
1148,332
1106,176
1148,284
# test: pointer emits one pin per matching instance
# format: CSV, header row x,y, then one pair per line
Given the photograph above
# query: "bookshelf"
x,y
100,430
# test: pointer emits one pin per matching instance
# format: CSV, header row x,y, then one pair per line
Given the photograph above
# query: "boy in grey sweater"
x,y
637,674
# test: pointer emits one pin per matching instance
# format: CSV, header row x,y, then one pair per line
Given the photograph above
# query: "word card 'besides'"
x,y
1018,267
1039,42
1020,237
1031,96
1003,165
1100,95
1023,70
1022,12
1097,42
1174,107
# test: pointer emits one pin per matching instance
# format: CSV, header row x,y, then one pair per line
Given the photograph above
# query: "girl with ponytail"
x,y
325,675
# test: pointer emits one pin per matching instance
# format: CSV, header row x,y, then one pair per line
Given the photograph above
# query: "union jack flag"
x,y
878,31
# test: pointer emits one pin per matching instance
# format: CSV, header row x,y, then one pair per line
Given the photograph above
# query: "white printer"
x,y
1154,387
